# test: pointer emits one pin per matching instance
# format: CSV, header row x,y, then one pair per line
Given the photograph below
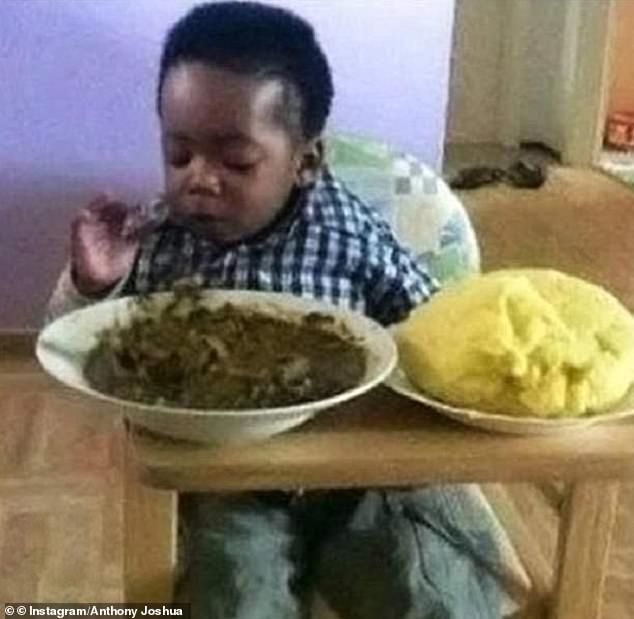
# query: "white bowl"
x,y
509,424
63,348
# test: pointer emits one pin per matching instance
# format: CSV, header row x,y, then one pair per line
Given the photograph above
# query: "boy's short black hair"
x,y
263,41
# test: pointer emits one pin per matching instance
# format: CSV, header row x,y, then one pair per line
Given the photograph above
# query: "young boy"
x,y
243,95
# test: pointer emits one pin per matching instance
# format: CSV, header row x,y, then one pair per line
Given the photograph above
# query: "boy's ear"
x,y
311,158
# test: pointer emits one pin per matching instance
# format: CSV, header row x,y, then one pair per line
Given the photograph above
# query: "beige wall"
x,y
473,112
533,70
481,75
542,72
621,97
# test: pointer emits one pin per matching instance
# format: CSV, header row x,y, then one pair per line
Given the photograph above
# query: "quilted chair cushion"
x,y
423,212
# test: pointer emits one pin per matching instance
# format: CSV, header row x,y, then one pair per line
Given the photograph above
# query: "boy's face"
x,y
230,164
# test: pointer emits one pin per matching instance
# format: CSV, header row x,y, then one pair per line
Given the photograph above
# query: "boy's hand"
x,y
104,242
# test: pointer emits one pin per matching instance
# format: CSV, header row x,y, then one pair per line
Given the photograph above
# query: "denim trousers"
x,y
426,553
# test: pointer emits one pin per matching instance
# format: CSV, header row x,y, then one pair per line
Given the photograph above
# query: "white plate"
x,y
399,382
64,346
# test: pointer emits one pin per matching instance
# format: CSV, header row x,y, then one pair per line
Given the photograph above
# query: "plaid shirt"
x,y
327,245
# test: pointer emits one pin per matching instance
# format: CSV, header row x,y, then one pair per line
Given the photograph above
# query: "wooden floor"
x,y
60,486
60,499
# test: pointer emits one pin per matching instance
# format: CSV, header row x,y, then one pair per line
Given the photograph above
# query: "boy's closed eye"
x,y
181,157
177,153
179,160
182,160
240,159
240,166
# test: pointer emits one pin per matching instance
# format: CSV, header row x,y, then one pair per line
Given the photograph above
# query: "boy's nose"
x,y
205,178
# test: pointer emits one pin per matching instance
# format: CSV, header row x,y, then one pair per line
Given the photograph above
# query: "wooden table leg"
x,y
149,538
585,533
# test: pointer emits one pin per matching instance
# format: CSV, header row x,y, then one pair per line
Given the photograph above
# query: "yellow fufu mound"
x,y
521,342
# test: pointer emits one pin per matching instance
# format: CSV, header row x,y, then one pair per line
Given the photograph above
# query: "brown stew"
x,y
189,356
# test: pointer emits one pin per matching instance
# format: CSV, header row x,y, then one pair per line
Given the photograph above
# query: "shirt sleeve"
x,y
66,298
396,283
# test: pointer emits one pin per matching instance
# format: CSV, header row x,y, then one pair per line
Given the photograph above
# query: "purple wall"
x,y
77,108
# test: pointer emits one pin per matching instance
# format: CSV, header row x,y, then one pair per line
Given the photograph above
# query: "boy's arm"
x,y
396,283
66,298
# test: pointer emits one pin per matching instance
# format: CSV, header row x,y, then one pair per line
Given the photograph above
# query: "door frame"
x,y
584,76
589,46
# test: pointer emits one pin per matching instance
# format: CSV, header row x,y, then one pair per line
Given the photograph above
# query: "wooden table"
x,y
382,439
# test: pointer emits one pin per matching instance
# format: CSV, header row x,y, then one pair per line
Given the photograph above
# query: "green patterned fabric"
x,y
423,212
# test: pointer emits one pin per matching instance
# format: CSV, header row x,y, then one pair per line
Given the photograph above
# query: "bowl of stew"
x,y
217,366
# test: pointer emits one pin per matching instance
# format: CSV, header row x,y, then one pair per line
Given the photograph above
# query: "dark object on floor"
x,y
474,177
525,175
544,149
522,175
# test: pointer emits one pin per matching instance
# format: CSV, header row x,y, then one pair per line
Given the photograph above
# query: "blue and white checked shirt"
x,y
327,245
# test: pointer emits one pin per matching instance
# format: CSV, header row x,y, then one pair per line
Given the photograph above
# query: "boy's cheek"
x,y
175,194
173,182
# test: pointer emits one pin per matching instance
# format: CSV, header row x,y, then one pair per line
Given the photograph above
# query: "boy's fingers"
x,y
98,203
103,203
132,222
101,212
119,219
142,219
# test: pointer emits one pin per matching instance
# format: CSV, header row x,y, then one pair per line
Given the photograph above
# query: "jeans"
x,y
418,554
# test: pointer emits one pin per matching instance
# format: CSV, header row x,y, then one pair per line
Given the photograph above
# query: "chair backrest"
x,y
426,216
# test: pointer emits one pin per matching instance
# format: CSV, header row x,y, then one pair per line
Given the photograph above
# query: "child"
x,y
243,95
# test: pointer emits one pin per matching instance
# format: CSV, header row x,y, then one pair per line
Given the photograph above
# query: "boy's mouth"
x,y
209,226
197,216
203,206
204,218
198,206
197,219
